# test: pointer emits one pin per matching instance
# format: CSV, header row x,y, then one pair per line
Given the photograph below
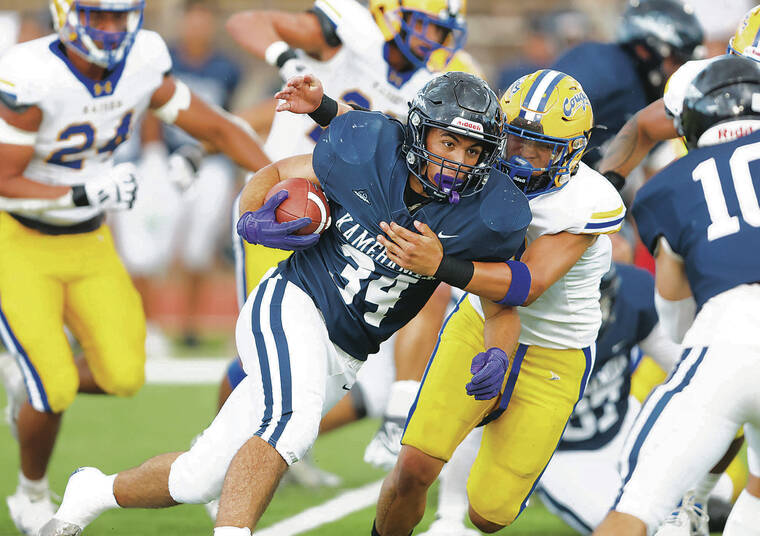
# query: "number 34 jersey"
x,y
706,206
83,121
364,297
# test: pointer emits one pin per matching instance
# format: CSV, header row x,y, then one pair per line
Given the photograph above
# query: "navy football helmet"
x,y
665,28
728,89
463,104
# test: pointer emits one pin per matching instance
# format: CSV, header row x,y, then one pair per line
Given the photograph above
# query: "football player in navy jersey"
x,y
621,78
307,328
700,217
654,123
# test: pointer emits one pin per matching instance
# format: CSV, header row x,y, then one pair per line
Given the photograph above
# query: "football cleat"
x,y
30,511
83,501
384,447
689,519
446,527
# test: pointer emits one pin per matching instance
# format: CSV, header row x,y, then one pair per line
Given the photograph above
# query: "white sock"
x,y
704,487
724,489
34,489
452,493
82,503
744,519
232,531
401,398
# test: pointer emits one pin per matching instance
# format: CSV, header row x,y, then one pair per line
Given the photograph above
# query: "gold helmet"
x,y
462,61
548,115
746,40
71,19
400,20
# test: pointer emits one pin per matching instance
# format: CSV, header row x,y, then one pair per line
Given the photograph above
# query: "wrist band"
x,y
274,51
79,196
519,287
455,272
325,112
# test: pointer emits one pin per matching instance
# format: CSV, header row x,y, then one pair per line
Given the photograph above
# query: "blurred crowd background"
x,y
190,298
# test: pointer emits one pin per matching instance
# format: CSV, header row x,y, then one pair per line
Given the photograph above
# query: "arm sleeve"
x,y
661,348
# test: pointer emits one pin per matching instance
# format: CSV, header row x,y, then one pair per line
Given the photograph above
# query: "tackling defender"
x,y
67,101
548,122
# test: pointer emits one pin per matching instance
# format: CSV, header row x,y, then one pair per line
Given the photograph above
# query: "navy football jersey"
x,y
599,414
706,207
364,296
608,75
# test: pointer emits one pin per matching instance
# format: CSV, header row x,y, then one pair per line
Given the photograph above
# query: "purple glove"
x,y
488,369
261,227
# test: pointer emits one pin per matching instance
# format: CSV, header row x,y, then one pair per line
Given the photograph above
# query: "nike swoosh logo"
x,y
441,235
554,376
346,387
617,346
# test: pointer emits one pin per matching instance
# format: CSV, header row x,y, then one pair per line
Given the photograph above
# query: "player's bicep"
x,y
550,257
655,123
302,30
18,132
297,166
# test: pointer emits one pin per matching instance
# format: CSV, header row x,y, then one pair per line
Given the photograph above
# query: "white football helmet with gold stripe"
x,y
81,28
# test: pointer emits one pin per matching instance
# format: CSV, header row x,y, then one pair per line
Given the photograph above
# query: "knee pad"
x,y
194,479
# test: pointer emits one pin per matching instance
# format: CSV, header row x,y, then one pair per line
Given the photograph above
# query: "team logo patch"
x,y
469,125
515,87
363,195
571,104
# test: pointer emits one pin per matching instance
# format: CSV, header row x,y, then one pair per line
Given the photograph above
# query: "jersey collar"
x,y
97,88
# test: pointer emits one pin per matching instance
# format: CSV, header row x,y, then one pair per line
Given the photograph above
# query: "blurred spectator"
x,y
718,18
537,50
165,221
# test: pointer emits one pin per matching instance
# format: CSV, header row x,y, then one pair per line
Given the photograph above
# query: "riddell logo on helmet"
x,y
470,125
752,52
731,133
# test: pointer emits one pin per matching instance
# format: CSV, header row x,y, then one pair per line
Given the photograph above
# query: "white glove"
x,y
183,166
114,191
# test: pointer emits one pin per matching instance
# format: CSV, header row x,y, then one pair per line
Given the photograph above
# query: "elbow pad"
x,y
676,317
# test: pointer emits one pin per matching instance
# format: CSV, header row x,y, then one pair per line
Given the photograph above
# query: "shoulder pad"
x,y
150,49
675,89
24,78
354,139
353,23
596,207
504,207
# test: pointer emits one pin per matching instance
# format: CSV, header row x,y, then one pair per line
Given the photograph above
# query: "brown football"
x,y
305,200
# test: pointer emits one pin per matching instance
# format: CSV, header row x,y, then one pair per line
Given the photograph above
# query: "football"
x,y
305,200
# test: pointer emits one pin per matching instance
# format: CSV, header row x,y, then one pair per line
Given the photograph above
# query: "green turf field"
x,y
113,434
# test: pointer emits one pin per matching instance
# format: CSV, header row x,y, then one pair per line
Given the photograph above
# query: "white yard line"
x,y
334,509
